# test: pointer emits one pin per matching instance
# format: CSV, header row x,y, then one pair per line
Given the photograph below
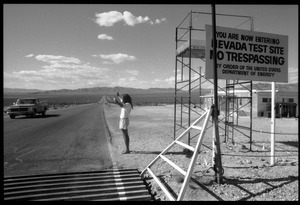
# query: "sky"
x,y
71,46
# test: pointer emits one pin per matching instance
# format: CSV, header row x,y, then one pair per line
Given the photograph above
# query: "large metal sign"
x,y
247,55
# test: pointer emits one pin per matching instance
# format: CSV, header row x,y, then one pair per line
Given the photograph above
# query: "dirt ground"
x,y
248,175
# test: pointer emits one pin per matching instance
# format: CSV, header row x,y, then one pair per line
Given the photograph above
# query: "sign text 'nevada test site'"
x,y
247,55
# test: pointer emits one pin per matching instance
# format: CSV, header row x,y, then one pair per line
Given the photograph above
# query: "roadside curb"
x,y
109,135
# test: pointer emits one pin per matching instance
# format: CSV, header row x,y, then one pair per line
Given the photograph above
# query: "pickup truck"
x,y
28,107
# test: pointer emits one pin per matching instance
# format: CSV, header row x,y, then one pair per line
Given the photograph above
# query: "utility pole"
x,y
216,141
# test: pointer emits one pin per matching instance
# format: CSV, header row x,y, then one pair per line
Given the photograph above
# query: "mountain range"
x,y
279,87
112,90
102,90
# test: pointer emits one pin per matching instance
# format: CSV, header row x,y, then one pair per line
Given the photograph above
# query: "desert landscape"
x,y
175,61
248,175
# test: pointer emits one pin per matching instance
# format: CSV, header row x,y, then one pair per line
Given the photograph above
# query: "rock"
x,y
179,179
248,161
193,186
243,148
205,163
240,162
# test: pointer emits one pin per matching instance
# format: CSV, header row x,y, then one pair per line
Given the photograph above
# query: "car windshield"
x,y
26,101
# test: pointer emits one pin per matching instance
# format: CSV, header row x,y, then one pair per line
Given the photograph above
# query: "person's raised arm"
x,y
118,95
119,100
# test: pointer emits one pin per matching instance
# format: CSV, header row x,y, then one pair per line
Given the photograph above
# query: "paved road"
x,y
66,140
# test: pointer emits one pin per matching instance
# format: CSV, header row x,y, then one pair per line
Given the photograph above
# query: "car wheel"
x,y
12,116
33,114
44,113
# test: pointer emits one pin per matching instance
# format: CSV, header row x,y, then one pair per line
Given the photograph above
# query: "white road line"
x,y
108,139
120,186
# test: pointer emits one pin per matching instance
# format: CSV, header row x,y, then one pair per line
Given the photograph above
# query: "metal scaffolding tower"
x,y
234,105
189,80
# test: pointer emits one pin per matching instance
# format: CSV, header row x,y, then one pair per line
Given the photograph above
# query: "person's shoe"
x,y
126,152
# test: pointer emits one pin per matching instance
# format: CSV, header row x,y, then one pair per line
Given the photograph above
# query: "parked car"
x,y
28,107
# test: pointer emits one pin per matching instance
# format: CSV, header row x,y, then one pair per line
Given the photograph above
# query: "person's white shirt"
x,y
125,110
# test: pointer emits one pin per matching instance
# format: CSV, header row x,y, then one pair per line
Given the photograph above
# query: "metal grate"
x,y
107,185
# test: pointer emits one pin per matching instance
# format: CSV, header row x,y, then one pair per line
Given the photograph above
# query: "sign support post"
x,y
272,162
216,141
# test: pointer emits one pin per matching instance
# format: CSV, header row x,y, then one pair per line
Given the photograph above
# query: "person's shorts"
x,y
124,122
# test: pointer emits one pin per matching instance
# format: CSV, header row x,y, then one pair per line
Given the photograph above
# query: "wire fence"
x,y
276,133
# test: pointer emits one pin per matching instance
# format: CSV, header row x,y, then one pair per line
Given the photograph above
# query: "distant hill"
x,y
95,90
279,87
20,90
122,90
110,90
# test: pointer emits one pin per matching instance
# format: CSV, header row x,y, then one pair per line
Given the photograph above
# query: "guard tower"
x,y
190,100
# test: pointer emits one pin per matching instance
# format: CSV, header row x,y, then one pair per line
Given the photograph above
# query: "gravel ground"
x,y
247,176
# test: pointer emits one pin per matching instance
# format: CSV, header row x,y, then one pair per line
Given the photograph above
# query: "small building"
x,y
286,103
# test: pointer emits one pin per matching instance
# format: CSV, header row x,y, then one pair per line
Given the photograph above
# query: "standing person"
x,y
126,106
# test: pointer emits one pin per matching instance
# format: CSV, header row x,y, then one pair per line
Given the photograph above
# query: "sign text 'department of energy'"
x,y
247,55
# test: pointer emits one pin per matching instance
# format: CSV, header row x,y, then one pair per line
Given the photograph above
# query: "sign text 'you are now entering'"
x,y
247,55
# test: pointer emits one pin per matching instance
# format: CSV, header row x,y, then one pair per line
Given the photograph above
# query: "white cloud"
x,y
163,19
59,72
118,58
170,80
57,59
131,20
105,37
131,81
112,17
29,55
108,18
132,72
159,21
